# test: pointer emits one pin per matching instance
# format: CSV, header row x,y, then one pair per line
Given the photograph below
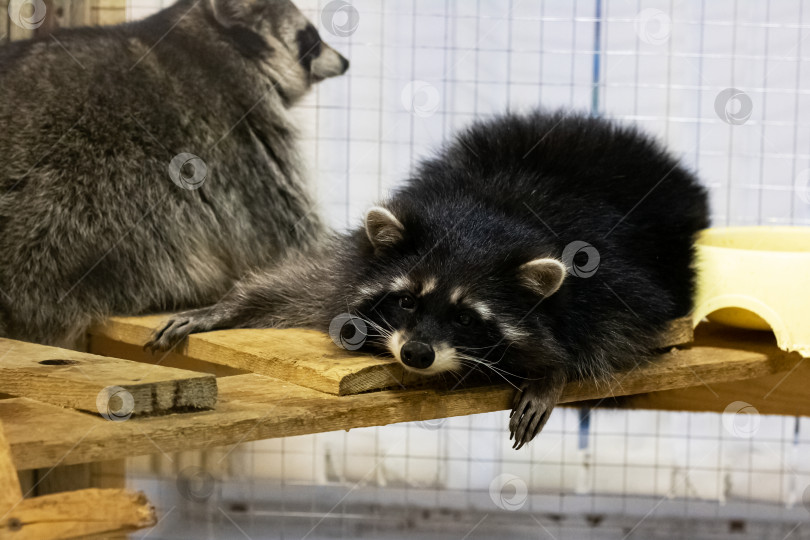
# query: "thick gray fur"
x,y
91,222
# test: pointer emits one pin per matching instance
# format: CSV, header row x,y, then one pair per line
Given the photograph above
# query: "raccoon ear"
x,y
383,228
231,13
543,276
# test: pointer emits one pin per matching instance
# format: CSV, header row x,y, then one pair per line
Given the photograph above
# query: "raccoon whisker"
x,y
444,375
489,347
474,366
388,324
383,331
502,354
491,365
495,370
455,373
385,355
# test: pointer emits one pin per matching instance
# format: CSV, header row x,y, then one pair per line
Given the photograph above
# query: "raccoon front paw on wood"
x,y
532,407
176,329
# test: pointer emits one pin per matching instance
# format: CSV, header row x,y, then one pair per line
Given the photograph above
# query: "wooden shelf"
x,y
252,406
304,357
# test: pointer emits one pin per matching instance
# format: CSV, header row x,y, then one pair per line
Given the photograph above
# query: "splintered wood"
x,y
99,384
305,357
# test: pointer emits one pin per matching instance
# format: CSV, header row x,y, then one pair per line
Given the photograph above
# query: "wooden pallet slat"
x,y
305,357
89,382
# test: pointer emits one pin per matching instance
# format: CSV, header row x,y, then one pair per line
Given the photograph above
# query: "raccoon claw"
x,y
532,407
173,332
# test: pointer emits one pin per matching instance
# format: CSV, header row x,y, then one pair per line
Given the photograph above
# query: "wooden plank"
x,y
79,14
77,514
783,393
118,349
305,357
10,490
17,32
108,16
93,383
98,474
680,332
252,407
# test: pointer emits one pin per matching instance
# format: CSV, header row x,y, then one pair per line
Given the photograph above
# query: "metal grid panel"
x,y
421,70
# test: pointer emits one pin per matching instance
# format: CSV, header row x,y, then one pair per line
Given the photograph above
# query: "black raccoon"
x,y
547,247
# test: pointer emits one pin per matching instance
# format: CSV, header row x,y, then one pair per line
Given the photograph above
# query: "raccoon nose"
x,y
417,354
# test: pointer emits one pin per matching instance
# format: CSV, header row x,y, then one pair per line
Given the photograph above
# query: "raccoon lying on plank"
x,y
148,166
547,248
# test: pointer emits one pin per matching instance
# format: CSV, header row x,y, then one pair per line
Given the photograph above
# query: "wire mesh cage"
x,y
723,83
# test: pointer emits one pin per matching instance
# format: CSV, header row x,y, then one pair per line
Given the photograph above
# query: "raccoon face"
x,y
286,45
431,321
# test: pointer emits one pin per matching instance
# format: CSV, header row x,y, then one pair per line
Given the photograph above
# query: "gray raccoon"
x,y
92,220
544,247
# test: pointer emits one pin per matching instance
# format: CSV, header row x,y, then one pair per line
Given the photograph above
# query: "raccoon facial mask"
x,y
434,319
276,33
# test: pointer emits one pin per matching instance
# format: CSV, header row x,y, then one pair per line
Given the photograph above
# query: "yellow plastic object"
x,y
757,278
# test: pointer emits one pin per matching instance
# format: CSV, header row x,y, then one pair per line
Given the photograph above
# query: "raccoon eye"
x,y
309,45
464,319
406,301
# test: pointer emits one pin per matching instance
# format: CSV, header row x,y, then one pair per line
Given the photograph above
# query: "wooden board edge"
x,y
10,490
74,514
679,332
779,393
199,348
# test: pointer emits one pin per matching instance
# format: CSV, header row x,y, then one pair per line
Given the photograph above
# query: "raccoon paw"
x,y
531,408
173,332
